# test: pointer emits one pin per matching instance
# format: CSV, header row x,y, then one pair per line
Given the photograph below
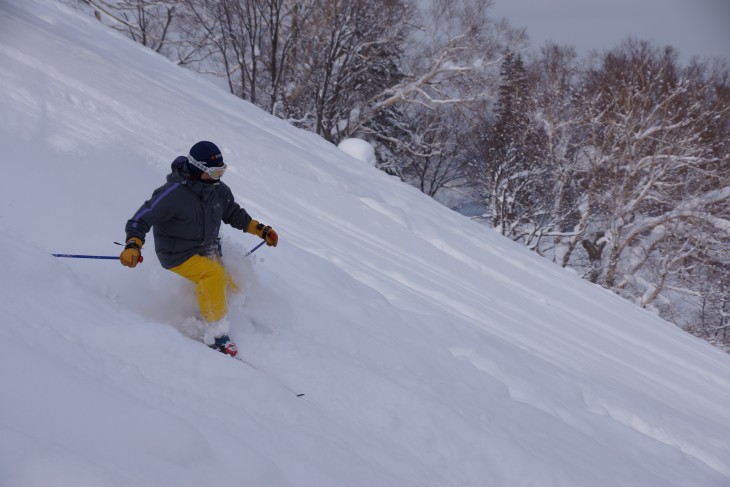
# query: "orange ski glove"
x,y
265,232
132,253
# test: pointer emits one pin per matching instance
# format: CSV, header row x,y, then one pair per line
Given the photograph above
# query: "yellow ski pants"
x,y
211,281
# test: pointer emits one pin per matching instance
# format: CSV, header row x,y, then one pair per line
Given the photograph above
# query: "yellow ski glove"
x,y
264,231
132,253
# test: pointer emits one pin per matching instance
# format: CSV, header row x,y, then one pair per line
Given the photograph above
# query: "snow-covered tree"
x,y
658,176
554,77
449,72
508,161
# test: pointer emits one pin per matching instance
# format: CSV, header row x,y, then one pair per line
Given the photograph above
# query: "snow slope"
x,y
432,351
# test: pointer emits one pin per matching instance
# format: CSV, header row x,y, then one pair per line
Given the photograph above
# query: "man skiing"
x,y
185,215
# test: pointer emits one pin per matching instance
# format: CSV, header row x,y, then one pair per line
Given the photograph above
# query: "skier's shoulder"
x,y
173,182
169,187
223,187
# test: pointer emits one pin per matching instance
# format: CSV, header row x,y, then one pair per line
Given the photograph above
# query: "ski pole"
x,y
115,257
75,256
254,249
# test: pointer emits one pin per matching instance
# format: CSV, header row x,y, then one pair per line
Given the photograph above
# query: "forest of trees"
x,y
616,165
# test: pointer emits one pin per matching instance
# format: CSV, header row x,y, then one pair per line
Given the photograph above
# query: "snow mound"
x,y
360,149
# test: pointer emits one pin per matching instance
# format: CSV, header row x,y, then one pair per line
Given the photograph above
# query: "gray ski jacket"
x,y
185,216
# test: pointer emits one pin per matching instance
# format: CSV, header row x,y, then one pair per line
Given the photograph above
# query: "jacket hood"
x,y
178,172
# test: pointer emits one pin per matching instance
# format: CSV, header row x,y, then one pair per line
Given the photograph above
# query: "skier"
x,y
185,215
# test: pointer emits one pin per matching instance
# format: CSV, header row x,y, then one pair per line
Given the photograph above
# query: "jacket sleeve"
x,y
234,215
151,212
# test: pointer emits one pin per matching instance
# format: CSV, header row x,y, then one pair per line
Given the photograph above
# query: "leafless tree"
x,y
349,51
145,21
430,147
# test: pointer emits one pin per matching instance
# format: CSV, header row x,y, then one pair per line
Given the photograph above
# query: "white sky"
x,y
694,27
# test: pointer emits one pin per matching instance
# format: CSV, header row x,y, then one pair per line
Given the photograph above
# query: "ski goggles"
x,y
214,172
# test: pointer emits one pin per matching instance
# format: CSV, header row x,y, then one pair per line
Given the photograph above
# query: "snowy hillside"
x,y
432,351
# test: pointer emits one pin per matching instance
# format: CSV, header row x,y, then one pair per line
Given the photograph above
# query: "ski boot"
x,y
224,344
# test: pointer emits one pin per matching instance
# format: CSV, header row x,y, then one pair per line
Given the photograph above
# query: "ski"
x,y
224,345
297,394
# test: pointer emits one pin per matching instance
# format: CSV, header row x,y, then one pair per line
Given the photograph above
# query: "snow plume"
x,y
432,352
